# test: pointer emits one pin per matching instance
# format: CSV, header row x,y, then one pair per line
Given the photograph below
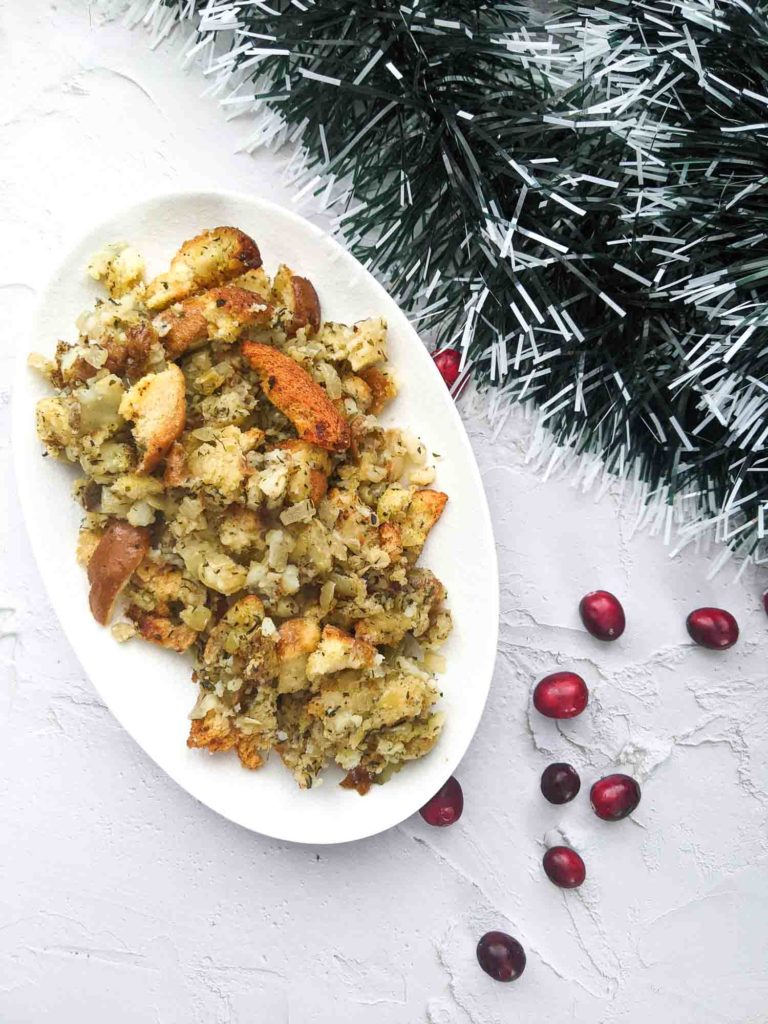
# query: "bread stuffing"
x,y
243,507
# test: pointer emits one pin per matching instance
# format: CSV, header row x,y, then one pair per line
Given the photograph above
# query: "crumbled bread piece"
x,y
425,509
297,639
298,299
156,406
363,345
383,388
119,266
162,631
291,389
209,259
219,314
213,733
338,651
255,281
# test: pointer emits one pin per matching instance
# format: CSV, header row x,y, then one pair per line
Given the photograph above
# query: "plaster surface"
x,y
125,901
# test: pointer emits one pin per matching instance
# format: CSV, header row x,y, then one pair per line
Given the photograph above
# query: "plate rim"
x,y
24,489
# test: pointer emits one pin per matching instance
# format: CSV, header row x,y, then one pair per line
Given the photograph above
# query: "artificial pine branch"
x,y
579,206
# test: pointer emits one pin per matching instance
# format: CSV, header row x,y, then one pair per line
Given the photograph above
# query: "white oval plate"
x,y
149,690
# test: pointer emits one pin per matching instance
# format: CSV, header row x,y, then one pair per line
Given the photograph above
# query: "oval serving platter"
x,y
149,690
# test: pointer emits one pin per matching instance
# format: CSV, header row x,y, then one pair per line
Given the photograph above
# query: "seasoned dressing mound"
x,y
242,505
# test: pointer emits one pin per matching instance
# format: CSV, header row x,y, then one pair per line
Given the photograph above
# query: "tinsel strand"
x,y
576,203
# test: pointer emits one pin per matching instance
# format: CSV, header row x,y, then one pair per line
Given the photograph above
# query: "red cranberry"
x,y
765,602
446,805
614,797
713,627
560,782
561,695
448,363
564,867
501,956
602,615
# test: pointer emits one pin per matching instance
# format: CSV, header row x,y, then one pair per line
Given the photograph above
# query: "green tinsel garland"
x,y
579,205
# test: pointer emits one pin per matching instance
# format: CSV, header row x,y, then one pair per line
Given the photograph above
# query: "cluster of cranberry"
x,y
565,695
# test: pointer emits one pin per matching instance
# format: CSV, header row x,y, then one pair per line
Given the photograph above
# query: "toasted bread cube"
x,y
248,748
338,651
213,733
175,474
160,630
393,504
220,464
211,258
298,638
363,345
219,314
156,405
291,389
114,560
391,540
297,296
255,281
119,266
358,390
237,645
424,511
241,529
56,422
383,388
308,470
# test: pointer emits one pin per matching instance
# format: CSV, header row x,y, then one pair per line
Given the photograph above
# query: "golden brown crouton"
x,y
385,628
382,385
309,467
255,281
290,388
362,345
175,474
209,259
248,747
416,609
87,542
242,529
157,407
424,511
390,540
237,648
119,266
297,296
219,464
214,732
113,562
338,651
158,629
297,639
358,390
219,314
247,613
57,421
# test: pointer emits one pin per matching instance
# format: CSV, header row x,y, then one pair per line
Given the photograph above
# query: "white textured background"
x,y
123,901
